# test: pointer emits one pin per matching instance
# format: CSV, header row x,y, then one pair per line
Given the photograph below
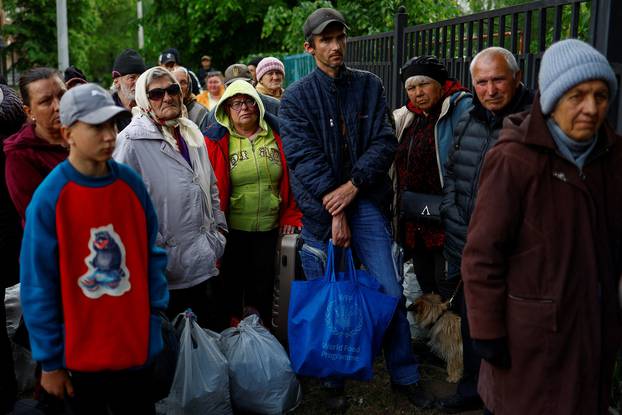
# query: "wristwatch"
x,y
355,182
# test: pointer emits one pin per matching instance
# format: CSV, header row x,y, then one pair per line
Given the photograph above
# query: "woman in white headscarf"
x,y
168,151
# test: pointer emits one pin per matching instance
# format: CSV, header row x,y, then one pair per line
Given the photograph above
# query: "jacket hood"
x,y
527,128
239,87
27,138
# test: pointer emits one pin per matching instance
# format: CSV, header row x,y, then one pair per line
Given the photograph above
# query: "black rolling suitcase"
x,y
288,268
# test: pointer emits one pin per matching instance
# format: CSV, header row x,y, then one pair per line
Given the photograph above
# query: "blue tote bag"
x,y
336,323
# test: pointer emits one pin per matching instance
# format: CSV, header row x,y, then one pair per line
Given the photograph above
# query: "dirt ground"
x,y
376,398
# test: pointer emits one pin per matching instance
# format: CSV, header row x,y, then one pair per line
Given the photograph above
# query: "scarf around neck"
x,y
270,92
574,151
186,128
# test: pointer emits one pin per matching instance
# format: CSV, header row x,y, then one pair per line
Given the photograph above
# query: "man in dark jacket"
x,y
497,83
339,145
126,69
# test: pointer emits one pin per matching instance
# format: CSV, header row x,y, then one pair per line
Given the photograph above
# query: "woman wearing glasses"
x,y
168,151
247,154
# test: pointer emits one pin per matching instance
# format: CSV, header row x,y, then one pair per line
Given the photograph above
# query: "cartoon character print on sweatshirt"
x,y
107,272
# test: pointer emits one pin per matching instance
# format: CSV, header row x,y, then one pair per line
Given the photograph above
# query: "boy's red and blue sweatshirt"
x,y
92,278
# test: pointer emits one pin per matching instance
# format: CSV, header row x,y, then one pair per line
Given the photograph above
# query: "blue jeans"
x,y
371,243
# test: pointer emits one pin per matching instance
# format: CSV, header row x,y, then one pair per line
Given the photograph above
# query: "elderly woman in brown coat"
x,y
543,256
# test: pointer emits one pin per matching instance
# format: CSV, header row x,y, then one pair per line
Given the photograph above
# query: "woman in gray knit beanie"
x,y
543,258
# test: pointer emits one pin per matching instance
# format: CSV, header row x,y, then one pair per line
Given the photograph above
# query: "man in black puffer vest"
x,y
499,93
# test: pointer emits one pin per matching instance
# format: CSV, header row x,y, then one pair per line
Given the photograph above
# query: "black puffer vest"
x,y
476,132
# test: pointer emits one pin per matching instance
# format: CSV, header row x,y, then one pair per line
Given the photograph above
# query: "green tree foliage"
x,y
227,30
364,17
98,31
33,28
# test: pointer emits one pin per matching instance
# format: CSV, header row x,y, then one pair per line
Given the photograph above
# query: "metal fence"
x,y
526,30
297,66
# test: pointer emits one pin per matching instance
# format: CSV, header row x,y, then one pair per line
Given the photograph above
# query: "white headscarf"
x,y
189,130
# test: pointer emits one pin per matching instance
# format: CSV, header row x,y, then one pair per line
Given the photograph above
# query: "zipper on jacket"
x,y
258,184
475,181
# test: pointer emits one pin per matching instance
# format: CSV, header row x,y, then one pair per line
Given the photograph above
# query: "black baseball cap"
x,y
319,19
167,58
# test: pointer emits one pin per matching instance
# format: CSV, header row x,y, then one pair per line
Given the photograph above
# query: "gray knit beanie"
x,y
568,63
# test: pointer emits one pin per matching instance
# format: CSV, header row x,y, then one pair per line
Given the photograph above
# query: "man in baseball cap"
x,y
168,60
206,67
346,195
126,69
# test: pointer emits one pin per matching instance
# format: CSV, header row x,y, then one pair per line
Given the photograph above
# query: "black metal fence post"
x,y
401,18
607,38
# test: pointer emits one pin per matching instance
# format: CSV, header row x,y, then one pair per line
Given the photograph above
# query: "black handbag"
x,y
415,205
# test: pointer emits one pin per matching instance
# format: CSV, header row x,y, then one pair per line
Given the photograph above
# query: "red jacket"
x,y
29,159
218,151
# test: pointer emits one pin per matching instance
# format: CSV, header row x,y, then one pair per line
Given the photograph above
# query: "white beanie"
x,y
269,64
568,63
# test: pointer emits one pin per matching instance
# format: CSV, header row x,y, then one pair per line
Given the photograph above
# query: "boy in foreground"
x,y
92,279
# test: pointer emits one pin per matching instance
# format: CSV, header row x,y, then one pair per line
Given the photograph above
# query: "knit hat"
x,y
568,63
428,66
128,62
269,64
12,114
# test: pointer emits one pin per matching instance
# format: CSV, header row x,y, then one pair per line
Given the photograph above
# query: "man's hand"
x,y
337,200
57,382
341,231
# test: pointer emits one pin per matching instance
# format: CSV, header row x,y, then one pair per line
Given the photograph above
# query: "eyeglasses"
x,y
237,105
156,94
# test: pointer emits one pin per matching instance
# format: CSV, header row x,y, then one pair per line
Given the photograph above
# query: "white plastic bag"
x,y
261,377
22,358
201,383
412,291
